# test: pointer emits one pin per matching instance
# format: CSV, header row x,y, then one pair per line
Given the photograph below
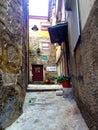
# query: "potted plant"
x,y
50,79
64,80
38,50
47,80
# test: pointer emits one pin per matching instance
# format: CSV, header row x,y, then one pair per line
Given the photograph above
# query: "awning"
x,y
58,33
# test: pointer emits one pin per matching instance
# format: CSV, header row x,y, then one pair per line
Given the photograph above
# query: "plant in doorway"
x,y
64,80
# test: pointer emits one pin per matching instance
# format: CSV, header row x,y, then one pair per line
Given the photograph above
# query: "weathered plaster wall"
x,y
84,70
85,8
13,59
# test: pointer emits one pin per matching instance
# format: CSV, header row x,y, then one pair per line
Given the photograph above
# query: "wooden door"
x,y
37,72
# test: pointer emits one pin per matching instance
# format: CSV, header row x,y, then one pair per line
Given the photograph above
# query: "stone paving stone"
x,y
46,111
36,87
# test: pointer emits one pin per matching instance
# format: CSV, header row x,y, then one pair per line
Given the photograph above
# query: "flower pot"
x,y
47,81
66,83
38,51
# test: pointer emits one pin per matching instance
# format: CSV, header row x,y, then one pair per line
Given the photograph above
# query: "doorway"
x,y
37,73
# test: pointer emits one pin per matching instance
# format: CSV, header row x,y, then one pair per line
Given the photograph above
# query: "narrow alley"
x,y
45,110
48,64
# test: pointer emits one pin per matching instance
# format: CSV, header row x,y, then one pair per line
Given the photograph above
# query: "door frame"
x,y
35,65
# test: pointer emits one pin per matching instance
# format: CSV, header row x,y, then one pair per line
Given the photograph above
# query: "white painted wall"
x,y
73,24
85,8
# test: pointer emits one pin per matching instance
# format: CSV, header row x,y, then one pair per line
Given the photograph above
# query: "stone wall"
x,y
84,70
13,59
36,58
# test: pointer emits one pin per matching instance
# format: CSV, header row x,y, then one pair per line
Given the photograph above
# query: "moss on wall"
x,y
13,59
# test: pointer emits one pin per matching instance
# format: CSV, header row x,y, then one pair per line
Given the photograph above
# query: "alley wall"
x,y
84,70
13,59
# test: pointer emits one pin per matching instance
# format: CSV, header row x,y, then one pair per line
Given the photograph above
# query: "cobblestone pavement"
x,y
47,111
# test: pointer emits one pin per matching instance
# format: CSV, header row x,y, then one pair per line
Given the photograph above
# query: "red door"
x,y
37,72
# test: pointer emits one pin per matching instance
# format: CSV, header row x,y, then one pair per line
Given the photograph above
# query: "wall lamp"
x,y
34,28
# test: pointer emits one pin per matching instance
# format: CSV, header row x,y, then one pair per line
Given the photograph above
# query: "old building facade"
x,y
59,34
42,59
83,64
82,54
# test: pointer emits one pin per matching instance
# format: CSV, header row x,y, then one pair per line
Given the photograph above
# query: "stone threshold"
x,y
41,90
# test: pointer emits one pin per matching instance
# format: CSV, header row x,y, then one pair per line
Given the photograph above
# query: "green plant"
x,y
38,50
62,78
30,48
